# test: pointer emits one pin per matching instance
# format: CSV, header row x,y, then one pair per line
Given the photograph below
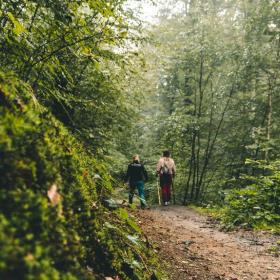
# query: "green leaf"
x,y
18,27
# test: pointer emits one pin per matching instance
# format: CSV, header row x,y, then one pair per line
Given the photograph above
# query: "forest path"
x,y
192,247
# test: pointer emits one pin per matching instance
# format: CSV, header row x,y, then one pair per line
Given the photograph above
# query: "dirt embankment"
x,y
192,247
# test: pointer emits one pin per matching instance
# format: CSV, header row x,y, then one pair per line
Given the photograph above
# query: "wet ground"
x,y
192,247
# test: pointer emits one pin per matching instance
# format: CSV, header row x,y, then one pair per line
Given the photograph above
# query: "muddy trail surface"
x,y
191,246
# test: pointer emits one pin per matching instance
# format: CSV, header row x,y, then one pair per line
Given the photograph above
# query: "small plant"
x,y
275,249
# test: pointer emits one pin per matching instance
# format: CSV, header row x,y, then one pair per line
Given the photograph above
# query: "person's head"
x,y
136,158
166,154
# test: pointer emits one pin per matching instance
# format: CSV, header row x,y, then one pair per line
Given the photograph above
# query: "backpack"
x,y
164,169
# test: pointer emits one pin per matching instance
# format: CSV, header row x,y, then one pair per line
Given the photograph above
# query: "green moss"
x,y
76,238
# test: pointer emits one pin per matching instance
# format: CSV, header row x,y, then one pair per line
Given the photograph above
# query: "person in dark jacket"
x,y
135,176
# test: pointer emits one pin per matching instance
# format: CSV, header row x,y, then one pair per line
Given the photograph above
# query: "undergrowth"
x,y
254,203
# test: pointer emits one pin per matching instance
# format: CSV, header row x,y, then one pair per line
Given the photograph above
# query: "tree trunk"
x,y
269,119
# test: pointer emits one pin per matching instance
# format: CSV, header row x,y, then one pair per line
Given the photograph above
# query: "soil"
x,y
191,246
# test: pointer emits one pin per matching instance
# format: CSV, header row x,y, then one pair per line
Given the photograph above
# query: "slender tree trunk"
x,y
34,17
212,145
201,96
190,171
269,119
209,135
193,178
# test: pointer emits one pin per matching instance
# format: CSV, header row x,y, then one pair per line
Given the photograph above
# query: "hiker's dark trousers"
x,y
165,184
139,185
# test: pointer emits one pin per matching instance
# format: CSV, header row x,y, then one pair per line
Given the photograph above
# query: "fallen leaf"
x,y
94,205
53,195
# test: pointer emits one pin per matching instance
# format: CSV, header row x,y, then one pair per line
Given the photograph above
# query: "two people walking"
x,y
136,175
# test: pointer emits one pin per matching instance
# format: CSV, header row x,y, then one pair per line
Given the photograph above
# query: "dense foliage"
x,y
258,204
74,56
212,89
63,109
78,98
73,237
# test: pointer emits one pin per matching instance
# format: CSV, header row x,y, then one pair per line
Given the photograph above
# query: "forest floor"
x,y
191,246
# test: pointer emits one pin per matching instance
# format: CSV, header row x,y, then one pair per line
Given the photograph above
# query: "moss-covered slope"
x,y
52,222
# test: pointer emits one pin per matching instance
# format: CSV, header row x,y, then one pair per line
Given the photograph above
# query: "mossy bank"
x,y
53,224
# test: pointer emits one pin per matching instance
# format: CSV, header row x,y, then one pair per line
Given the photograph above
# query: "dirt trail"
x,y
192,247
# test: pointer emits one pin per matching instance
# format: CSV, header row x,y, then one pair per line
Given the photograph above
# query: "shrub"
x,y
258,204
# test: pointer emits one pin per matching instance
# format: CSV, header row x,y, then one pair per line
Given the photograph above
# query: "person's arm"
x,y
173,169
145,173
159,166
127,176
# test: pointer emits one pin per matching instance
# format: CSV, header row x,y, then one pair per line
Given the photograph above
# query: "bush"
x,y
257,205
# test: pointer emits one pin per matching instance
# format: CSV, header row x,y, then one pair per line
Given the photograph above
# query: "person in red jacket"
x,y
166,171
